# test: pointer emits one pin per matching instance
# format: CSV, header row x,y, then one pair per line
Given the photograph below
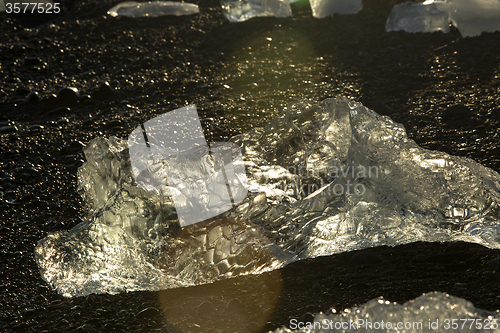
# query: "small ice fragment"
x,y
472,17
153,9
324,8
242,10
414,17
423,314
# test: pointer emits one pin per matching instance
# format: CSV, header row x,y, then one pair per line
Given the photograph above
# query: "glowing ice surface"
x,y
324,8
419,17
471,17
169,154
153,9
432,312
322,179
242,10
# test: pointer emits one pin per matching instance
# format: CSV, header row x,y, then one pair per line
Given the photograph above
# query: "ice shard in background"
x,y
153,9
472,17
431,312
414,17
169,155
242,10
322,178
324,8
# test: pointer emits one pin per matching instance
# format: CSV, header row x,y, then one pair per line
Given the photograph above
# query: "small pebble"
x,y
494,262
60,111
456,111
114,123
105,89
8,129
83,98
205,308
35,128
361,286
489,274
316,288
388,272
234,305
68,95
148,313
62,121
33,96
32,60
306,317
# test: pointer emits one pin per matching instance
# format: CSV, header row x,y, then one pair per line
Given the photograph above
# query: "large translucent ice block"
x,y
414,17
324,8
431,312
153,9
242,10
323,178
472,17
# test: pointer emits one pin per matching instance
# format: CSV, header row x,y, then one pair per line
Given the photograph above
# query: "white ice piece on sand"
x,y
429,312
153,9
324,8
242,10
413,17
472,17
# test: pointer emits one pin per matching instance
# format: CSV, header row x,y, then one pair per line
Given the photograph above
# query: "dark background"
x,y
442,87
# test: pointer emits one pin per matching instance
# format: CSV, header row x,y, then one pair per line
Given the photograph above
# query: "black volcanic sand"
x,y
442,87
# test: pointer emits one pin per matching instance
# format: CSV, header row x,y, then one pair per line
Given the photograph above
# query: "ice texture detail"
x,y
323,178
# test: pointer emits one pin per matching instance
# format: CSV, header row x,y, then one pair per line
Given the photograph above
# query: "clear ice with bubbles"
x,y
323,178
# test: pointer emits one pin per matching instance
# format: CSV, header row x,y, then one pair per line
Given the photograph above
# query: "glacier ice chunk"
x,y
153,9
242,10
430,312
472,17
324,8
322,178
419,17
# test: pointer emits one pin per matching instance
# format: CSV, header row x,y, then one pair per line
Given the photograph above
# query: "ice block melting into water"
x,y
242,10
431,312
322,179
